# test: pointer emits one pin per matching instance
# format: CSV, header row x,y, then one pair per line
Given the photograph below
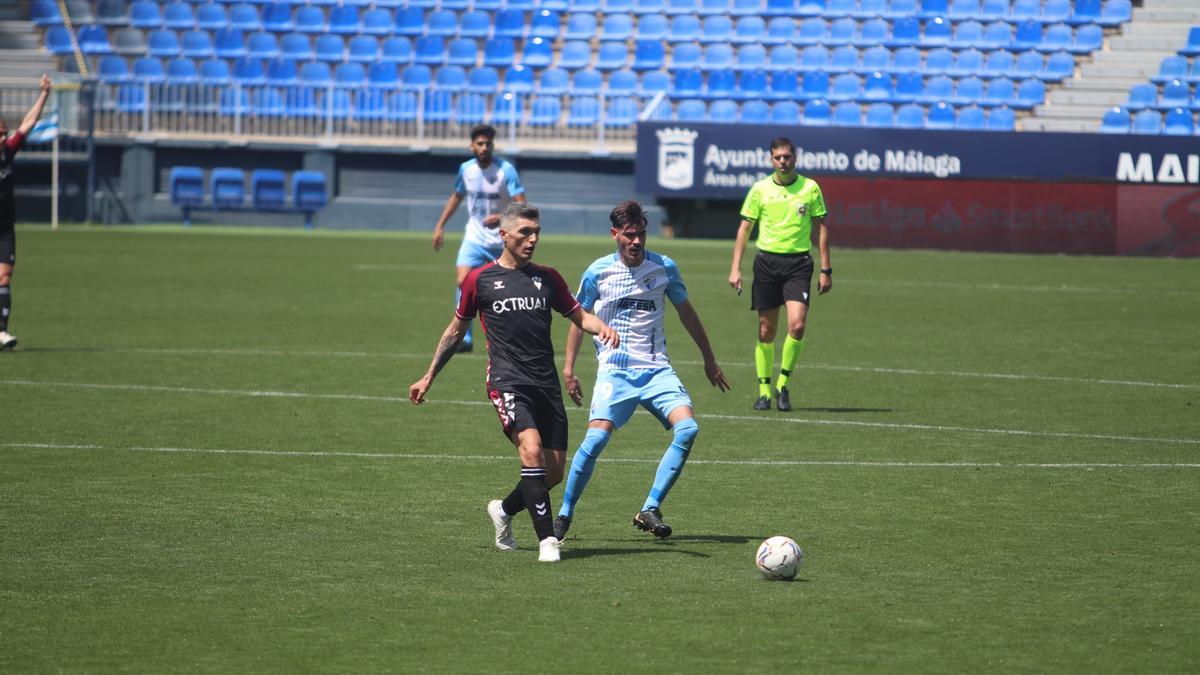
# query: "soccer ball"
x,y
779,558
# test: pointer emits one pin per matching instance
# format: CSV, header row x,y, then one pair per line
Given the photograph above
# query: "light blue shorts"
x,y
619,392
474,255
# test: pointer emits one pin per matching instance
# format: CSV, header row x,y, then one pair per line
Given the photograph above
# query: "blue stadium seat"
x,y
648,55
878,87
718,29
1001,91
538,53
93,39
961,10
815,57
612,55
749,29
1030,92
967,35
910,87
1174,67
1056,11
362,49
197,44
410,21
877,58
687,82
483,80
784,85
475,24
843,59
723,111
812,31
880,116
815,85
909,116
996,35
227,187
248,72
751,57
244,16
344,20
396,49
1116,121
844,87
751,84
545,111
58,41
720,84
713,7
465,52
783,57
968,90
211,16
941,116
575,54
684,28
839,9
143,14
438,106
1028,35
329,47
186,187
267,189
622,82
315,74
971,118
112,69
653,82
1088,39
277,17
309,193
300,102
580,26
1057,37
1179,122
262,45
992,10
906,32
841,32
178,15
869,9
617,27
1000,63
1001,119
1175,94
1025,10
309,19
499,52
215,72
691,110
873,32
717,57
780,30
46,13
938,61
785,112
755,112
470,108
296,46
416,76
966,62
352,75
1141,96
441,23
584,111
519,79
1030,64
786,7
937,88
509,23
817,113
402,106
937,33
898,9
282,72
907,60
934,8
545,24
1085,12
686,55
1116,12
847,114
430,50
383,75
377,21
234,102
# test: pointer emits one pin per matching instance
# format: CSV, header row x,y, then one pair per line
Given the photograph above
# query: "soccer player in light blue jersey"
x,y
628,290
489,184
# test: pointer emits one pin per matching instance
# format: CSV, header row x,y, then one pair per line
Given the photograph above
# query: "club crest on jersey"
x,y
650,281
537,281
801,210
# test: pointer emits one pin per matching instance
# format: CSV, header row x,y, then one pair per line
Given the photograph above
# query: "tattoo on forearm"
x,y
445,350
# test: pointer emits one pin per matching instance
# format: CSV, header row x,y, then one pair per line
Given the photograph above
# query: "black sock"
x,y
537,500
5,307
514,503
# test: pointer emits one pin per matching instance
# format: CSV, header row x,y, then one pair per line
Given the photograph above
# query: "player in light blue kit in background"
x,y
489,184
628,290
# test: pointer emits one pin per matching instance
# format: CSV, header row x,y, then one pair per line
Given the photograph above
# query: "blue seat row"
x,y
819,112
1175,122
227,190
1173,94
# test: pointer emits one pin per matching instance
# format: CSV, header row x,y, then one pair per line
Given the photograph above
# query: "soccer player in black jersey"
x,y
9,145
514,299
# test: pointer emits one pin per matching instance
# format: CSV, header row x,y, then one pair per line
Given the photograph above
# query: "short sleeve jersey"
x,y
8,204
784,213
632,301
514,306
488,191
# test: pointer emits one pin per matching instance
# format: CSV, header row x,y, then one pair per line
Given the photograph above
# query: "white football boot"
x,y
548,550
7,341
503,522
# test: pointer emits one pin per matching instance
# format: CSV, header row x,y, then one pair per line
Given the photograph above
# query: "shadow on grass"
x,y
570,552
578,548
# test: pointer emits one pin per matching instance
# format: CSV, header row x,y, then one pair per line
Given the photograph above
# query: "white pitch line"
x,y
883,464
702,416
984,286
681,362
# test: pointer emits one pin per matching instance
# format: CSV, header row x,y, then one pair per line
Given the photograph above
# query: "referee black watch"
x,y
828,271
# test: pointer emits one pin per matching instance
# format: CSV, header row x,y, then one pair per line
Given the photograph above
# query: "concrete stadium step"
x,y
1088,99
1073,124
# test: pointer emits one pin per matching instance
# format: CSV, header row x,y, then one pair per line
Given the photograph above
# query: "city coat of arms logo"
x,y
676,158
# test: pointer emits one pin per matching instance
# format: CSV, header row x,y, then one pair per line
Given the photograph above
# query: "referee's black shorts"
x,y
524,407
779,277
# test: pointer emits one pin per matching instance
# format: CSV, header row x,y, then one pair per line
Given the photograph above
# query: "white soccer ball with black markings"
x,y
779,558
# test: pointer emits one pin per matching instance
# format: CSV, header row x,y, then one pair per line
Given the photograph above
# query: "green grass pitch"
x,y
208,463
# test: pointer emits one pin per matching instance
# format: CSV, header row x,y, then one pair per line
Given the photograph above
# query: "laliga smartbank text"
x,y
741,167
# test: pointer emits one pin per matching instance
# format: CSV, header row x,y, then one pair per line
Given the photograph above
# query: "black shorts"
x,y
527,407
779,277
8,246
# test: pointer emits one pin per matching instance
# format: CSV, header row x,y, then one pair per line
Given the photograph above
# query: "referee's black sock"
x,y
537,500
514,503
5,307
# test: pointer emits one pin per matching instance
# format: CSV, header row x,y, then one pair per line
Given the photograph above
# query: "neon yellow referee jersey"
x,y
784,213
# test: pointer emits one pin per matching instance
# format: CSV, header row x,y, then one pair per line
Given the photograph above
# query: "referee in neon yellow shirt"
x,y
786,207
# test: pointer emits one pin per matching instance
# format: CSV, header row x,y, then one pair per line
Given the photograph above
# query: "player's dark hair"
x,y
783,141
627,213
519,211
483,130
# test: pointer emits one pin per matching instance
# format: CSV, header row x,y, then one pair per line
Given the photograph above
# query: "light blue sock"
x,y
467,339
672,462
581,469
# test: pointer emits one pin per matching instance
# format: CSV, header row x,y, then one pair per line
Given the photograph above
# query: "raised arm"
x,y
446,347
691,322
35,112
739,249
